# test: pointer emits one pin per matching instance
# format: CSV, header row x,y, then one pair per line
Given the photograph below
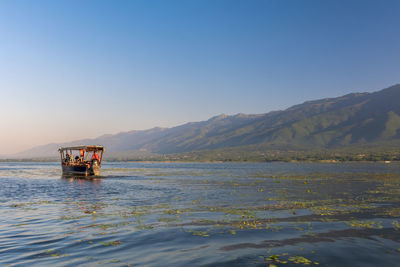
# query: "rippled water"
x,y
181,214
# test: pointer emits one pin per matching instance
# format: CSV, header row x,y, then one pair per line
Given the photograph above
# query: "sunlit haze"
x,y
81,69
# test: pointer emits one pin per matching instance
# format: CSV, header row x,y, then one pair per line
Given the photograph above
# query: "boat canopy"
x,y
86,148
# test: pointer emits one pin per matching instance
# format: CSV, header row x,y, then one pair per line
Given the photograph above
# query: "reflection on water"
x,y
82,179
179,214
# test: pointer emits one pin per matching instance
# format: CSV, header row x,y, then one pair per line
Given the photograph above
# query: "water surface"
x,y
198,214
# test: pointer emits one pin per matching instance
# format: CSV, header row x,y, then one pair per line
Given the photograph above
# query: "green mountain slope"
x,y
352,119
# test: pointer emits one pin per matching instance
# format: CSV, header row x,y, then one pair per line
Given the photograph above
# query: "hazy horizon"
x,y
73,70
205,119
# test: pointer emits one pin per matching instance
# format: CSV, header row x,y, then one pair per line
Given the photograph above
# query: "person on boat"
x,y
82,152
67,158
95,156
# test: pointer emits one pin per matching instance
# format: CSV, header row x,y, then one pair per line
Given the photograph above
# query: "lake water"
x,y
198,214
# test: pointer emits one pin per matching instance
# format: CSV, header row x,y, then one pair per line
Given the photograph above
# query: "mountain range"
x,y
352,120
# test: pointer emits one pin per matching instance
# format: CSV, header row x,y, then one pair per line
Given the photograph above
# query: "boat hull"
x,y
80,170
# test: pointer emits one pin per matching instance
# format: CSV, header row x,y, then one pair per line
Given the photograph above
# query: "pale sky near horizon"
x,y
81,69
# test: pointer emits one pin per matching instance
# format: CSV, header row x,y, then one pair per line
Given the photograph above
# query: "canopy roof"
x,y
87,148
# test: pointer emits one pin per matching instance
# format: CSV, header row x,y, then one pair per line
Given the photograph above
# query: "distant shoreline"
x,y
216,161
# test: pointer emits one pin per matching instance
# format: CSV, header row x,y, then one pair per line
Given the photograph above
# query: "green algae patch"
x,y
111,243
396,225
284,258
365,224
52,253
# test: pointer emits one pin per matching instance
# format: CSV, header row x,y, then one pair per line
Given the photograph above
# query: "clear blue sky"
x,y
75,69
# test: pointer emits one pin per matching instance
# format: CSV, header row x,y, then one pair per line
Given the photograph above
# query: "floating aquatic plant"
x,y
111,243
365,224
285,258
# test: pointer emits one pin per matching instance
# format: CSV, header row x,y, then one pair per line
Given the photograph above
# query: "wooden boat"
x,y
81,160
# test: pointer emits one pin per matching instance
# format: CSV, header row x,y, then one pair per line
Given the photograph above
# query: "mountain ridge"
x,y
355,119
